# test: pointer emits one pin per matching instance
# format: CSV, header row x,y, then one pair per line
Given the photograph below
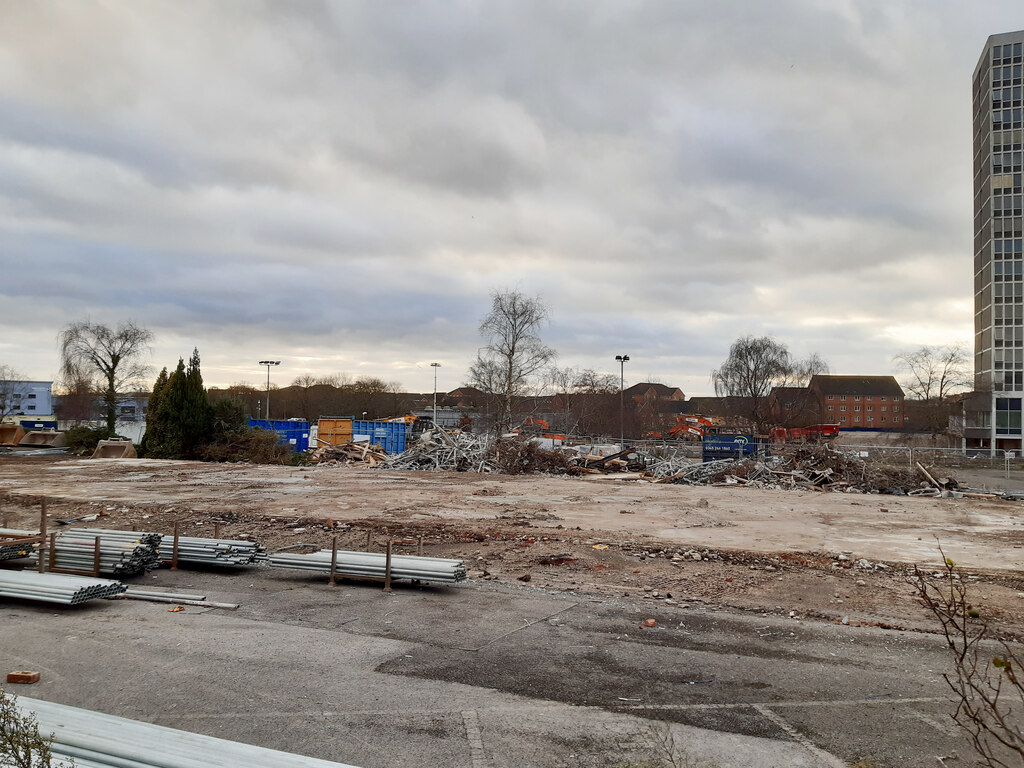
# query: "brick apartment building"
x,y
859,402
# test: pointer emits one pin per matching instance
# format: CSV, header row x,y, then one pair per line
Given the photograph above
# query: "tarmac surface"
x,y
484,675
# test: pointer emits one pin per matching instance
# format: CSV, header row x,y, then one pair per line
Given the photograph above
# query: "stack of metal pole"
x,y
56,587
122,553
96,740
373,564
11,548
226,552
191,549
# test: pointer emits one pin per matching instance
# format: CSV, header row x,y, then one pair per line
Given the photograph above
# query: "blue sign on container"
x,y
728,447
27,424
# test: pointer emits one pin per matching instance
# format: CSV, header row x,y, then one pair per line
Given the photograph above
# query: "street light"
x,y
435,366
622,360
269,363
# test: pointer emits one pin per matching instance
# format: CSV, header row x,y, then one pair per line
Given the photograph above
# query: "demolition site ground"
x,y
784,631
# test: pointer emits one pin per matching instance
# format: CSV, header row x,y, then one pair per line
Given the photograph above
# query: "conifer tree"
x,y
181,421
154,423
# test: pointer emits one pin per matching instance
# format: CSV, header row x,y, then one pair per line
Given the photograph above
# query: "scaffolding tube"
x,y
97,740
56,587
374,565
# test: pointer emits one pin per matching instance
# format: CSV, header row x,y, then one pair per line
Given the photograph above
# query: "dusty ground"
x,y
765,551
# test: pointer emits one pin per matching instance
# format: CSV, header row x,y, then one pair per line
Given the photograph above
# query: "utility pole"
x,y
269,363
622,360
435,366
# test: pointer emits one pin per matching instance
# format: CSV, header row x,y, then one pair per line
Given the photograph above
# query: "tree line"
x,y
511,372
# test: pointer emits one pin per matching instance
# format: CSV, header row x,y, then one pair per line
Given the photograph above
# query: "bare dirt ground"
x,y
819,556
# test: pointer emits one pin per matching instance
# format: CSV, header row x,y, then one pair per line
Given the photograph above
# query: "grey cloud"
x,y
350,180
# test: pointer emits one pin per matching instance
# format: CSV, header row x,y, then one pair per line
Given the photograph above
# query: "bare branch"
x,y
115,355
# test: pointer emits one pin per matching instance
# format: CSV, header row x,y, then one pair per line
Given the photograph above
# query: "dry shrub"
x,y
517,456
256,446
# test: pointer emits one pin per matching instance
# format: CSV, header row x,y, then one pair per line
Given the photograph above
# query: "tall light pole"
x,y
269,363
435,366
622,360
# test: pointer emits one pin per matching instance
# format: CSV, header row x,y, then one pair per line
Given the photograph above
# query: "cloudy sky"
x,y
340,185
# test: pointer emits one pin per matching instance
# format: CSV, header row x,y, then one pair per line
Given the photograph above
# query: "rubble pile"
x,y
347,453
811,466
443,450
515,456
817,467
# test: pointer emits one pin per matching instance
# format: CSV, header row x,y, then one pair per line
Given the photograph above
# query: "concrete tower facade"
x,y
995,419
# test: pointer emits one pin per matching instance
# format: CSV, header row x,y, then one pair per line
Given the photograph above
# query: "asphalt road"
x,y
489,676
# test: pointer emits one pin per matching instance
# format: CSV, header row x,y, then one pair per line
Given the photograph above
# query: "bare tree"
x,y
931,374
114,355
77,401
514,357
587,399
986,676
11,385
755,365
304,384
337,380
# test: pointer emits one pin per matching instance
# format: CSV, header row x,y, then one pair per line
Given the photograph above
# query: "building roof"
x,y
856,385
661,391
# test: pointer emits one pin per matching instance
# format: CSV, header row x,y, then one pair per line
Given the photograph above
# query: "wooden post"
x,y
334,558
419,547
368,532
387,568
174,552
53,552
42,534
134,529
216,530
96,558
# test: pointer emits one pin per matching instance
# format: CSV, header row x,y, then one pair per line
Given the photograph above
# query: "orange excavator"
x,y
691,427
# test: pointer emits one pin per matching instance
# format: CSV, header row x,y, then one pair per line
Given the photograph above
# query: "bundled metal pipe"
x,y
122,553
191,549
373,564
56,587
96,740
11,548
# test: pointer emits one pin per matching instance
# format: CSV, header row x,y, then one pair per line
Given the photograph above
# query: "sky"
x,y
342,185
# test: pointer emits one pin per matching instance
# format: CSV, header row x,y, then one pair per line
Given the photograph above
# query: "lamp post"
x,y
269,363
622,360
435,366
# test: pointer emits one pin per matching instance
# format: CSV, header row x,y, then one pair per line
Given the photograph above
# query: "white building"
x,y
26,399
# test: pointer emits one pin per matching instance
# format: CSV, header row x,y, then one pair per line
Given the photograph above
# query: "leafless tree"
x,y
77,400
514,357
755,365
986,676
303,384
337,380
931,374
115,355
11,384
587,398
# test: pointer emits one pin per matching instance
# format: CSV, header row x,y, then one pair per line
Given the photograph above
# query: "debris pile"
x,y
348,453
516,456
453,451
813,467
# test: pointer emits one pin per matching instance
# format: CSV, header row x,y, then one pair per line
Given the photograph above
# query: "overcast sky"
x,y
341,185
